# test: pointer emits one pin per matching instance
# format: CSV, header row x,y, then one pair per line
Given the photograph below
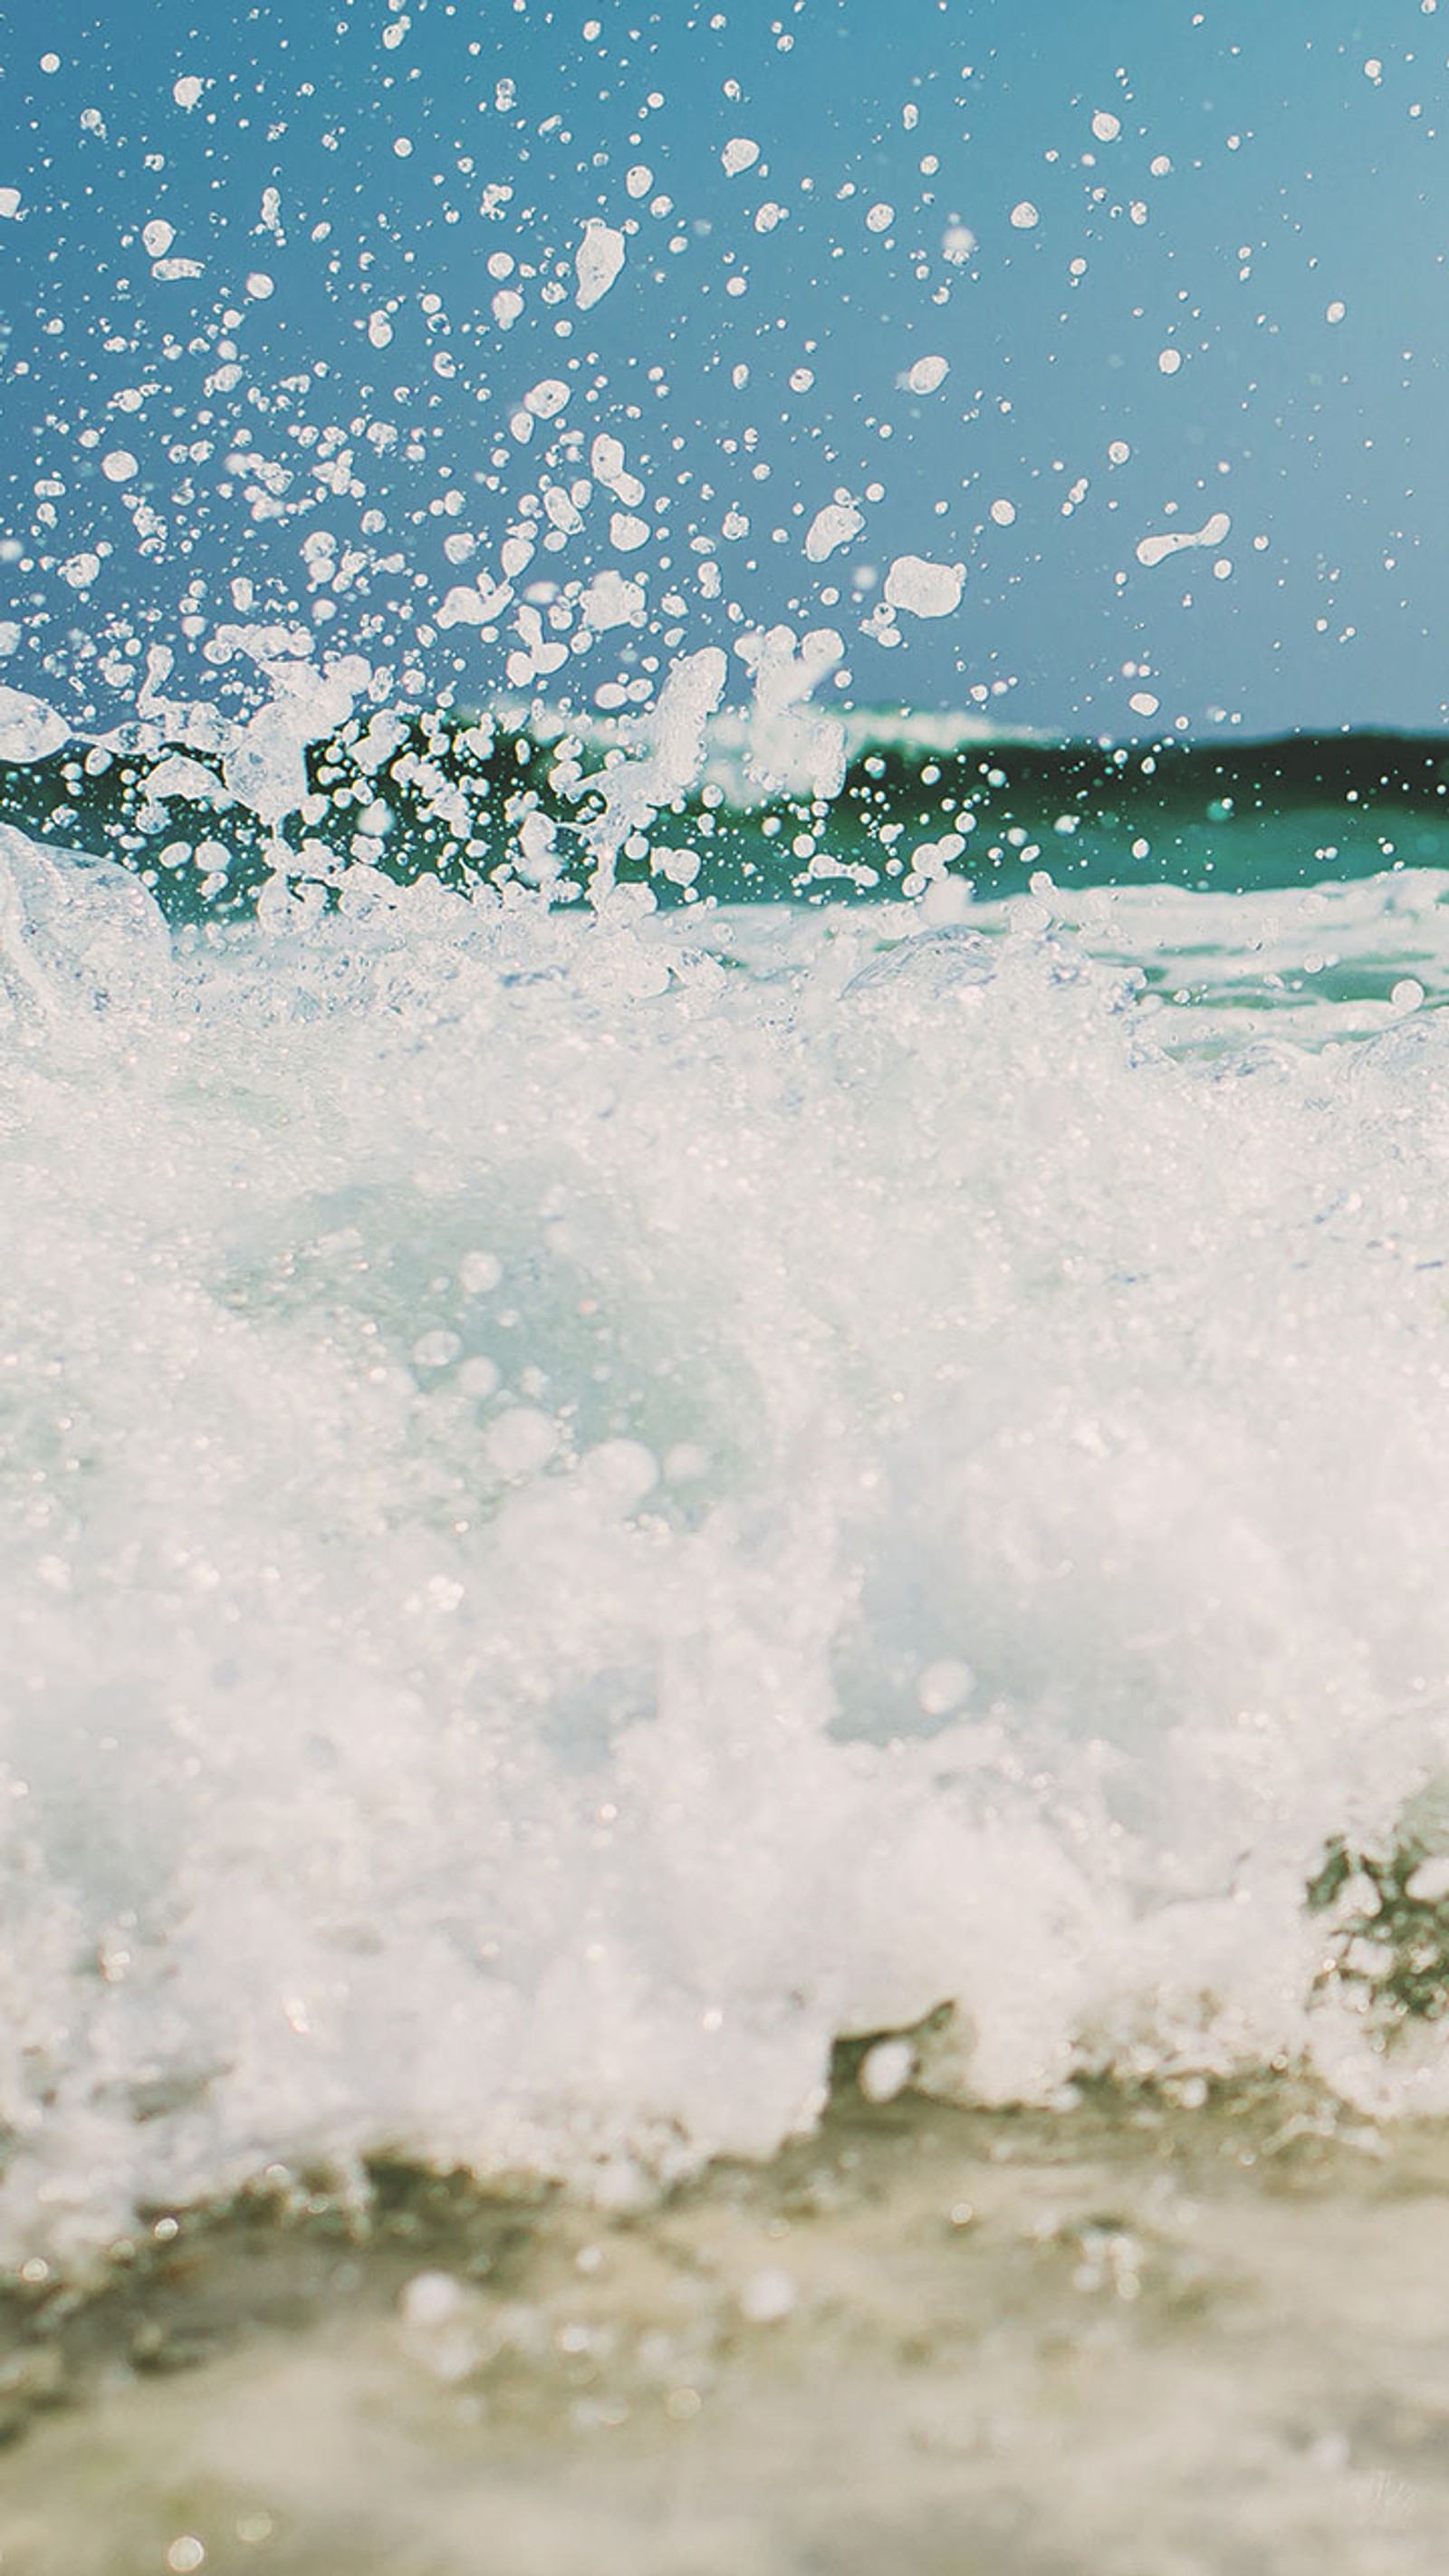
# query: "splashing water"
x,y
595,1499
604,1479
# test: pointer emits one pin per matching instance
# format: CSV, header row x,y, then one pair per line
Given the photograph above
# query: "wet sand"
x,y
1130,2339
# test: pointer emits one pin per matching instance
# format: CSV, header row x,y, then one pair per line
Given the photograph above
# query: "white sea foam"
x,y
510,1416
29,729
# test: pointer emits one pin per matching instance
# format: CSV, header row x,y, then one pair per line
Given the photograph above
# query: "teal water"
x,y
448,796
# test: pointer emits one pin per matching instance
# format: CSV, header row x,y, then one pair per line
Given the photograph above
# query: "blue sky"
x,y
279,288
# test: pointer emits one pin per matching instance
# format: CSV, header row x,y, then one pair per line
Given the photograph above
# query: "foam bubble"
x,y
29,729
923,588
834,525
597,262
1155,550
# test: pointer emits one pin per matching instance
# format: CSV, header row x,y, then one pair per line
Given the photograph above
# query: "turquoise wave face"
x,y
842,809
594,1498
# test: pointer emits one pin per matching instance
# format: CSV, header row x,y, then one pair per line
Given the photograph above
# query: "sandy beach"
x,y
1126,2340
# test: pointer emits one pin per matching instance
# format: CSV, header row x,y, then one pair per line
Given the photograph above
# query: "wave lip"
x,y
788,803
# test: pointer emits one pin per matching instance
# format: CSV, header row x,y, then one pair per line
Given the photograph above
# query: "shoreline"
x,y
1122,2338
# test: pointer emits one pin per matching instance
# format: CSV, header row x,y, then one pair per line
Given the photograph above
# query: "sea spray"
x,y
680,1378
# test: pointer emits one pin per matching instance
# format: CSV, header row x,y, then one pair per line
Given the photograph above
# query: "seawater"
x,y
598,1497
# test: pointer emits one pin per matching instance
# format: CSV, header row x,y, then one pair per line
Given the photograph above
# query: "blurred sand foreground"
x,y
1130,2339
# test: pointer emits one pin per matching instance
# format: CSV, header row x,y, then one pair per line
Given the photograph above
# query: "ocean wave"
x,y
783,802
595,1499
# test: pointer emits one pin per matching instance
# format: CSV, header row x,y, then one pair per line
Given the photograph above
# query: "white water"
x,y
591,1502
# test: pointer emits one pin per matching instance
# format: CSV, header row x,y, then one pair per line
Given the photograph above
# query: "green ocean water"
x,y
447,797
